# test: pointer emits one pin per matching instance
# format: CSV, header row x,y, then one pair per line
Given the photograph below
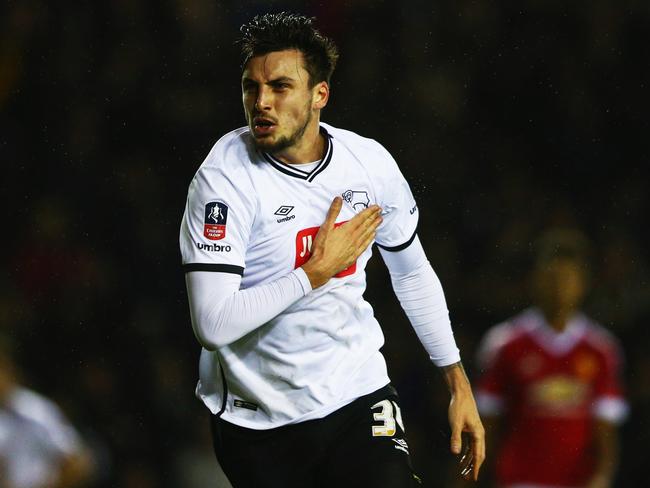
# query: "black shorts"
x,y
361,444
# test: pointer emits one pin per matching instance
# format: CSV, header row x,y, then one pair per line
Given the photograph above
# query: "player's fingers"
x,y
478,449
364,244
455,438
333,212
363,217
466,462
368,228
467,469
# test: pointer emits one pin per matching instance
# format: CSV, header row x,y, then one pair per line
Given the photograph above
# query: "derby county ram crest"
x,y
357,199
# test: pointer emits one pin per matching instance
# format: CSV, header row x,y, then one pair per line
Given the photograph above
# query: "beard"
x,y
283,142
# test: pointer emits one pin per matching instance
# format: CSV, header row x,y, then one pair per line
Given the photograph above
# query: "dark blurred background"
x,y
506,119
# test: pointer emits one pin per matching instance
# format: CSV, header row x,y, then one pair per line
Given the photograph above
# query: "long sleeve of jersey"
x,y
420,294
222,313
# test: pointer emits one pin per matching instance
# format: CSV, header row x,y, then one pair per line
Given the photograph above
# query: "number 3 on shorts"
x,y
389,414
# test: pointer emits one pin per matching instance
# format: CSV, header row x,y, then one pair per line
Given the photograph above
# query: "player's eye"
x,y
248,87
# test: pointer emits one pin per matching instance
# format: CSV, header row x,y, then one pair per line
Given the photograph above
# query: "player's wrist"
x,y
315,275
456,379
303,279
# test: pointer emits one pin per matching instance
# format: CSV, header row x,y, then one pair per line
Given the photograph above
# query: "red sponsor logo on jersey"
x,y
214,224
305,240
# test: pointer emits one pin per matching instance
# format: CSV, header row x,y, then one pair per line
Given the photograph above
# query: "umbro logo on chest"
x,y
284,212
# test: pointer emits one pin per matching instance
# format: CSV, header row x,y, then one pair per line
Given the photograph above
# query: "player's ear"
x,y
321,95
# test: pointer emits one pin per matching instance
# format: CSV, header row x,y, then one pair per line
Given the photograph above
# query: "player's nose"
x,y
263,100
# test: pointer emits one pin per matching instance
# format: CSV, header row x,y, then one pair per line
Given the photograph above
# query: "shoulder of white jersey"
x,y
232,150
347,137
231,157
498,337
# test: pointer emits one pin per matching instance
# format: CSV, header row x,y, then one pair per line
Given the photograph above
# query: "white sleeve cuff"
x,y
303,280
489,403
611,409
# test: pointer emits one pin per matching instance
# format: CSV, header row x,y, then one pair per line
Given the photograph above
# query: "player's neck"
x,y
558,319
308,149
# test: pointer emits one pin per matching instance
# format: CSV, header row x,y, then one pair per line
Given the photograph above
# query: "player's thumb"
x,y
456,441
333,212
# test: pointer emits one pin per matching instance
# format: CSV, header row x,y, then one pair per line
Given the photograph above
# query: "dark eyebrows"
x,y
281,79
274,82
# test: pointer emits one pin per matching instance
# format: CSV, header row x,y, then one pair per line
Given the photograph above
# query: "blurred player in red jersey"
x,y
550,392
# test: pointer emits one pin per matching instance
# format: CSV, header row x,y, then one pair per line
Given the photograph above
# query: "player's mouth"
x,y
263,126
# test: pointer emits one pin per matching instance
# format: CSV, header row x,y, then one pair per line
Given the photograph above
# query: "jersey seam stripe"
x,y
297,173
224,403
286,171
224,268
399,247
326,160
288,167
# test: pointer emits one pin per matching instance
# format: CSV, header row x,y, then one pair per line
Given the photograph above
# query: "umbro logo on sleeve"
x,y
213,247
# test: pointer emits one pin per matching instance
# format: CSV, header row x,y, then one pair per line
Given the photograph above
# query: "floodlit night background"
x,y
506,120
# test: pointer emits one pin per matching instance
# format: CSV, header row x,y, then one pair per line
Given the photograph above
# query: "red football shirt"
x,y
549,387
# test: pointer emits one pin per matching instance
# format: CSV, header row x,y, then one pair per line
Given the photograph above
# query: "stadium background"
x,y
506,119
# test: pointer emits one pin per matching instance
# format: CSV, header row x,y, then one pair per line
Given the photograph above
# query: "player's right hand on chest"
x,y
336,247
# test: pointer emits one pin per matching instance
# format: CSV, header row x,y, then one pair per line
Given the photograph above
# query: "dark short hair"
x,y
277,32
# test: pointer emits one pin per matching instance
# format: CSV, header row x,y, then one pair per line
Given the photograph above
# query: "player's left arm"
x,y
420,293
421,296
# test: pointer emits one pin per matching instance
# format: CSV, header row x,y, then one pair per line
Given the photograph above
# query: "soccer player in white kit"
x,y
276,234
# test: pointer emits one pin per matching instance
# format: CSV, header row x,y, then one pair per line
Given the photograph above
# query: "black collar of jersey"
x,y
291,170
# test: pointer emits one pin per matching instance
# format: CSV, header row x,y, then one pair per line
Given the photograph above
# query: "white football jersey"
x,y
251,214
